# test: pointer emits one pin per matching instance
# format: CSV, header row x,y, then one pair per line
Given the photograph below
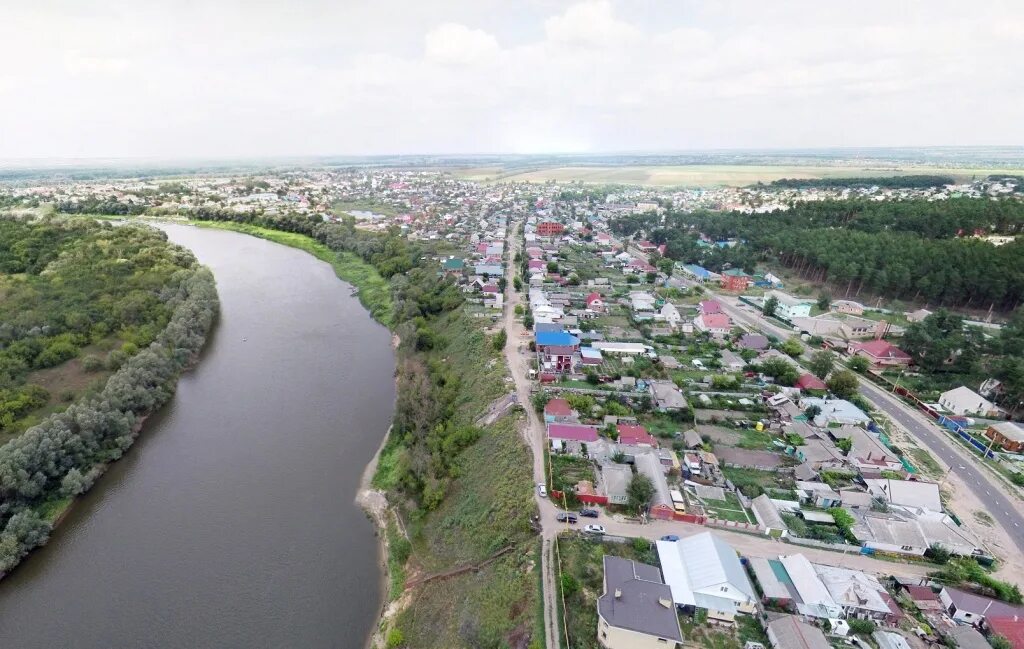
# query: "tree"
x,y
666,266
639,492
783,372
811,412
793,347
938,553
770,305
999,642
862,627
821,363
73,483
824,300
517,283
499,340
859,364
843,384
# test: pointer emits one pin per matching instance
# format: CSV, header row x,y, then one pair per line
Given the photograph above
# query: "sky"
x,y
226,79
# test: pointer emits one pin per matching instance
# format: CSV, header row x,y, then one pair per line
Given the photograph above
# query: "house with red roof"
x,y
717,324
1011,628
646,246
810,383
881,353
561,436
595,302
559,411
638,266
709,306
635,435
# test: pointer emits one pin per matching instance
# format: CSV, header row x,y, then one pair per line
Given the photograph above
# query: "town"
x,y
719,459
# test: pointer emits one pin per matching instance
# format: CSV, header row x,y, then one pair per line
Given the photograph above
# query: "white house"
x,y
790,307
704,571
670,314
965,401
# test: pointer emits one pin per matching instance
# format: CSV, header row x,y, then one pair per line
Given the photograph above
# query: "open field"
x,y
705,175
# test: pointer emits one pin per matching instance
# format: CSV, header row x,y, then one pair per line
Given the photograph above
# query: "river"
x,y
231,522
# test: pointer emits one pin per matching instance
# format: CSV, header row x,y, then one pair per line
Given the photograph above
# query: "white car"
x,y
542,489
594,529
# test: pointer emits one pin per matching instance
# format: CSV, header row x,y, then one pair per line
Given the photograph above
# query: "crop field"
x,y
703,175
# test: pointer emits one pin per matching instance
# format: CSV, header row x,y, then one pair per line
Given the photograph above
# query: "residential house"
x,y
667,397
691,439
670,314
965,401
559,411
969,608
768,516
789,632
967,637
924,598
1008,434
735,280
697,273
635,435
454,266
834,412
811,384
766,573
908,494
635,611
616,479
709,307
731,361
756,342
546,339
717,324
848,306
1009,627
595,303
549,229
890,534
557,359
818,494
661,506
789,306
704,572
560,435
881,353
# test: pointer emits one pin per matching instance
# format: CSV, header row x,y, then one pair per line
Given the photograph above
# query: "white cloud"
x,y
452,43
115,77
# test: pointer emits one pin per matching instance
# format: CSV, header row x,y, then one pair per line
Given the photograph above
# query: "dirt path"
x,y
517,356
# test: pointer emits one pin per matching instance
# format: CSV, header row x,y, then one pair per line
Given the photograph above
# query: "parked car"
x,y
566,517
589,513
542,489
670,537
594,529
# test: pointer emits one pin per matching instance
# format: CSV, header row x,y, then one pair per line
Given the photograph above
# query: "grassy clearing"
x,y
729,509
763,479
924,461
374,291
752,439
492,608
488,508
51,510
398,554
364,205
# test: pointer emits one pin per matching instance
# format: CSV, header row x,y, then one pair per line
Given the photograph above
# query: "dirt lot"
x,y
745,457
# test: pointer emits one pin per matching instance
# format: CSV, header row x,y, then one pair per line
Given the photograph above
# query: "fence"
x,y
950,423
825,545
752,528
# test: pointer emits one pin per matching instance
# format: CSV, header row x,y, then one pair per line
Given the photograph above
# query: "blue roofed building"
x,y
556,339
697,272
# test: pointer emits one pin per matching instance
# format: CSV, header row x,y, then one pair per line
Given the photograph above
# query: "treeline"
x,y
900,249
429,430
110,206
62,456
920,181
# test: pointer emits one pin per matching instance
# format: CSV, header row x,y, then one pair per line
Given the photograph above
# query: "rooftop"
x,y
637,599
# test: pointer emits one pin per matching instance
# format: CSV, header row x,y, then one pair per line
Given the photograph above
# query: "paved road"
x,y
961,462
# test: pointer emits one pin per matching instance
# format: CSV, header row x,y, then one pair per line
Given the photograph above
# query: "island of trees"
x,y
111,314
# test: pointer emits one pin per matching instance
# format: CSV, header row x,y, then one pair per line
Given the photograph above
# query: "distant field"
x,y
704,175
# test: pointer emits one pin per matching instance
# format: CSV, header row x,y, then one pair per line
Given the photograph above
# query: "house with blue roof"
x,y
556,339
697,272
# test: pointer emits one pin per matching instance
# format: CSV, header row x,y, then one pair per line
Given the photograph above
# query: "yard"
x,y
567,471
754,482
582,581
729,509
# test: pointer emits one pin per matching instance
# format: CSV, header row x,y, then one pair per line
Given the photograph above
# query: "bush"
x,y
862,627
395,638
92,364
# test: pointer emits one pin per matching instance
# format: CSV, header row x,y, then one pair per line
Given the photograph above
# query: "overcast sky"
x,y
181,78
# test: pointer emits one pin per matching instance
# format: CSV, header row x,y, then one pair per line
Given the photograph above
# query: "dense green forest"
x,y
73,283
917,250
69,285
902,182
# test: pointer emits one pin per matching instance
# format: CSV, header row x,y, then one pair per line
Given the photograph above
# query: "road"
x,y
533,433
923,429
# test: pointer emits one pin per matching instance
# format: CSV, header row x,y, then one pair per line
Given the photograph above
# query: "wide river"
x,y
231,522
